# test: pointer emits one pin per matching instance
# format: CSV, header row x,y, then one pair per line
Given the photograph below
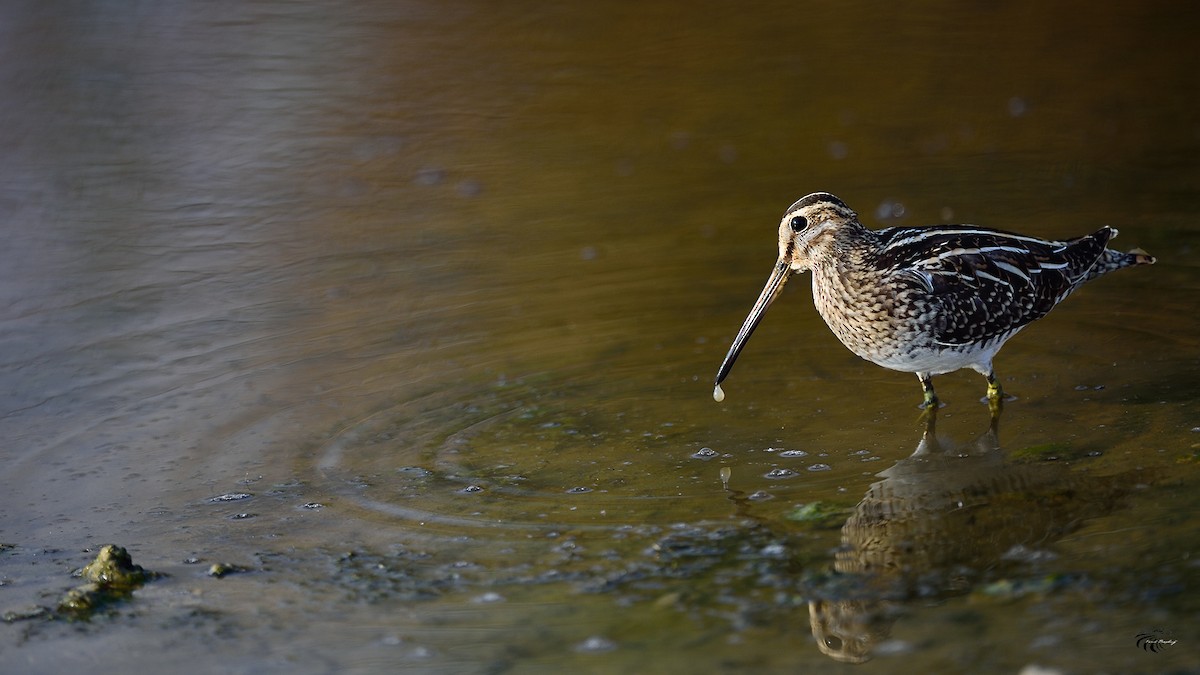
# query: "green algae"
x,y
111,578
818,514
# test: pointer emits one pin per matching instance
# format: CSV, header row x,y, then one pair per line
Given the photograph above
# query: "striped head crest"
x,y
809,227
819,198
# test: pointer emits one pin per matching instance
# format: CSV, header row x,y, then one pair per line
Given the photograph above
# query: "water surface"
x,y
409,312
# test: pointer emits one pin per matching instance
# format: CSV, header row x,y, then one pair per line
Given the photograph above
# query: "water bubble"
x,y
704,453
793,453
780,474
774,550
760,496
578,490
820,467
1022,553
889,209
470,489
230,497
489,597
595,645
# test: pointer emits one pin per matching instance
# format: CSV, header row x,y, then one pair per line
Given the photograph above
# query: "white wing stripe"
x,y
980,274
1013,269
922,235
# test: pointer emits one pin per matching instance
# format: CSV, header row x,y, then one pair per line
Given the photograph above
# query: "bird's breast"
x,y
872,318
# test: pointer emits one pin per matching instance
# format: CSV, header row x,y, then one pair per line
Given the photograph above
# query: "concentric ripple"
x,y
524,460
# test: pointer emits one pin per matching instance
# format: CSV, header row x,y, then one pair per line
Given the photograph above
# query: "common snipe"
x,y
926,300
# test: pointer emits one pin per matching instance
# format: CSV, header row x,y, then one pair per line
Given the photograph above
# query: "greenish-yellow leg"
x,y
994,392
995,395
931,399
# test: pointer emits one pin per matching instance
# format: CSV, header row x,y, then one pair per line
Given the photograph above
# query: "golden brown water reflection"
x,y
411,312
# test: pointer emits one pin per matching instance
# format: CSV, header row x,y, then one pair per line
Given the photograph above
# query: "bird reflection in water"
x,y
937,522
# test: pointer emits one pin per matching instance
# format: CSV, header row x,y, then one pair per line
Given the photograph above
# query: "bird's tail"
x,y
1139,257
1111,260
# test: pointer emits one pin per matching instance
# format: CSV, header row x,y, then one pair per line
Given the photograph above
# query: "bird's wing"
x,y
981,284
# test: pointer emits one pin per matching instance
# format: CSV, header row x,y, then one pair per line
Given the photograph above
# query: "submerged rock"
x,y
113,567
220,570
111,577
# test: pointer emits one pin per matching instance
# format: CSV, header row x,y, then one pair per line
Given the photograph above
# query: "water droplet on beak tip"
x,y
718,394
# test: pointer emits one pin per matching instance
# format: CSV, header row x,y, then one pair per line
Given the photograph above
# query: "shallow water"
x,y
410,313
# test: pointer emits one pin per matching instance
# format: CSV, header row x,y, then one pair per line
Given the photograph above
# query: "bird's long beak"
x,y
768,295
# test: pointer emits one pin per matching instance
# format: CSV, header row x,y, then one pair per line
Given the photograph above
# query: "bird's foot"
x,y
995,393
929,408
995,396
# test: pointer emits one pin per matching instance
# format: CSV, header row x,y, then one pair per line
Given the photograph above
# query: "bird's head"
x,y
809,228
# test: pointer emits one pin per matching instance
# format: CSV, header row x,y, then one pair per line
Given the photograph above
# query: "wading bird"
x,y
926,300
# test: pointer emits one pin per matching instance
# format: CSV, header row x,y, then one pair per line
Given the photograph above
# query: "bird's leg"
x,y
995,407
994,391
995,395
931,399
928,422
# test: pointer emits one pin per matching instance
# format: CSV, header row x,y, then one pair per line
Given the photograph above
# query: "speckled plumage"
x,y
926,300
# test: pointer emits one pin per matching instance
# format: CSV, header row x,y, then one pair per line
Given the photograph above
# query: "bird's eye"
x,y
799,223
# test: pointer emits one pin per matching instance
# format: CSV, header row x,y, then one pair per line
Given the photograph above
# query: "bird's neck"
x,y
852,252
847,288
846,272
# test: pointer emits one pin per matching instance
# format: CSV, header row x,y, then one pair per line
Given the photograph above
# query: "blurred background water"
x,y
409,313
